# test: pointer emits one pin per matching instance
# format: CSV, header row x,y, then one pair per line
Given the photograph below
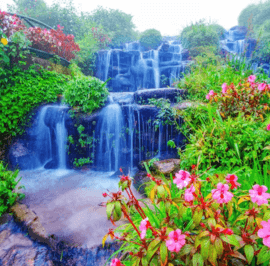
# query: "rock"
x,y
237,33
30,220
18,248
167,166
186,104
185,54
164,47
138,181
168,93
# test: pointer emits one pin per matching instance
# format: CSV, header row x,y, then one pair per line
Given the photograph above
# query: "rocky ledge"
x,y
23,241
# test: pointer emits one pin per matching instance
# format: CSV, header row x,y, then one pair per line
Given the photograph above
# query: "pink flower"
x,y
221,194
232,180
251,78
211,93
265,233
58,26
224,87
176,241
59,43
189,194
262,87
182,179
258,194
268,127
116,262
144,226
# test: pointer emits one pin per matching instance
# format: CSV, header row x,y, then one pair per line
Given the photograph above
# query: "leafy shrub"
x,y
92,42
199,34
219,30
86,93
247,15
150,39
194,221
7,186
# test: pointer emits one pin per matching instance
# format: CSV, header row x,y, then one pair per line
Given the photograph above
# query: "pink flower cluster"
x,y
221,193
258,195
182,179
116,262
144,226
232,180
176,241
264,233
210,94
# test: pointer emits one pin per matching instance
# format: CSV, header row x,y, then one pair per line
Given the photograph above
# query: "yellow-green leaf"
x,y
205,248
249,251
163,252
197,260
109,209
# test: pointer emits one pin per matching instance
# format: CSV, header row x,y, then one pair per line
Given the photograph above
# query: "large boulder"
x,y
168,93
237,33
167,167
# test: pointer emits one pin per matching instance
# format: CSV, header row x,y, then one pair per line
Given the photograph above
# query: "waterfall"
x,y
131,129
109,127
107,64
143,66
154,55
43,140
61,139
159,140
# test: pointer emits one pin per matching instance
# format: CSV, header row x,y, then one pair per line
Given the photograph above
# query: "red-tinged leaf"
x,y
205,244
152,248
212,255
231,239
241,217
212,238
197,217
112,221
264,255
242,199
203,234
219,246
211,221
238,255
197,260
185,250
163,253
249,252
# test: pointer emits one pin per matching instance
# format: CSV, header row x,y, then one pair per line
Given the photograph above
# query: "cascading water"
x,y
108,131
154,55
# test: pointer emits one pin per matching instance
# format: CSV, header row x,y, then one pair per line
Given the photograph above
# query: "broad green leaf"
x,y
185,250
231,239
152,248
205,248
197,259
109,209
249,251
163,252
219,246
264,255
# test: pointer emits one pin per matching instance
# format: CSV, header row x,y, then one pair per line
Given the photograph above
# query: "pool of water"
x,y
68,202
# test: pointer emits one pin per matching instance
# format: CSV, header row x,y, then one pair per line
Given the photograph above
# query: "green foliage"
x,y
200,34
219,30
81,161
150,39
151,162
247,15
116,22
166,114
86,93
21,91
56,14
8,184
214,142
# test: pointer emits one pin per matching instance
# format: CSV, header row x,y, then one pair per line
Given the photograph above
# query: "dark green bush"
x,y
7,185
86,93
199,34
248,14
150,39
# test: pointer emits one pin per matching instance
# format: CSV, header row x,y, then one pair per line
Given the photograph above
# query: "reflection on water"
x,y
68,202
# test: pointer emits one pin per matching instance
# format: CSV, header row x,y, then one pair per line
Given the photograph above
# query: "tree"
x,y
247,15
116,22
150,39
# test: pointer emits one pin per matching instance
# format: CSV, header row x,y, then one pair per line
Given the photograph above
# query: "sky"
x,y
167,16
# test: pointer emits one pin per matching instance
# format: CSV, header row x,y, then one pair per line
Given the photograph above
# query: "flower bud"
x,y
104,195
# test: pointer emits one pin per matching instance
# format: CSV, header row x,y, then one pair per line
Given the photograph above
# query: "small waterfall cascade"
x,y
176,50
50,138
154,55
108,132
42,144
